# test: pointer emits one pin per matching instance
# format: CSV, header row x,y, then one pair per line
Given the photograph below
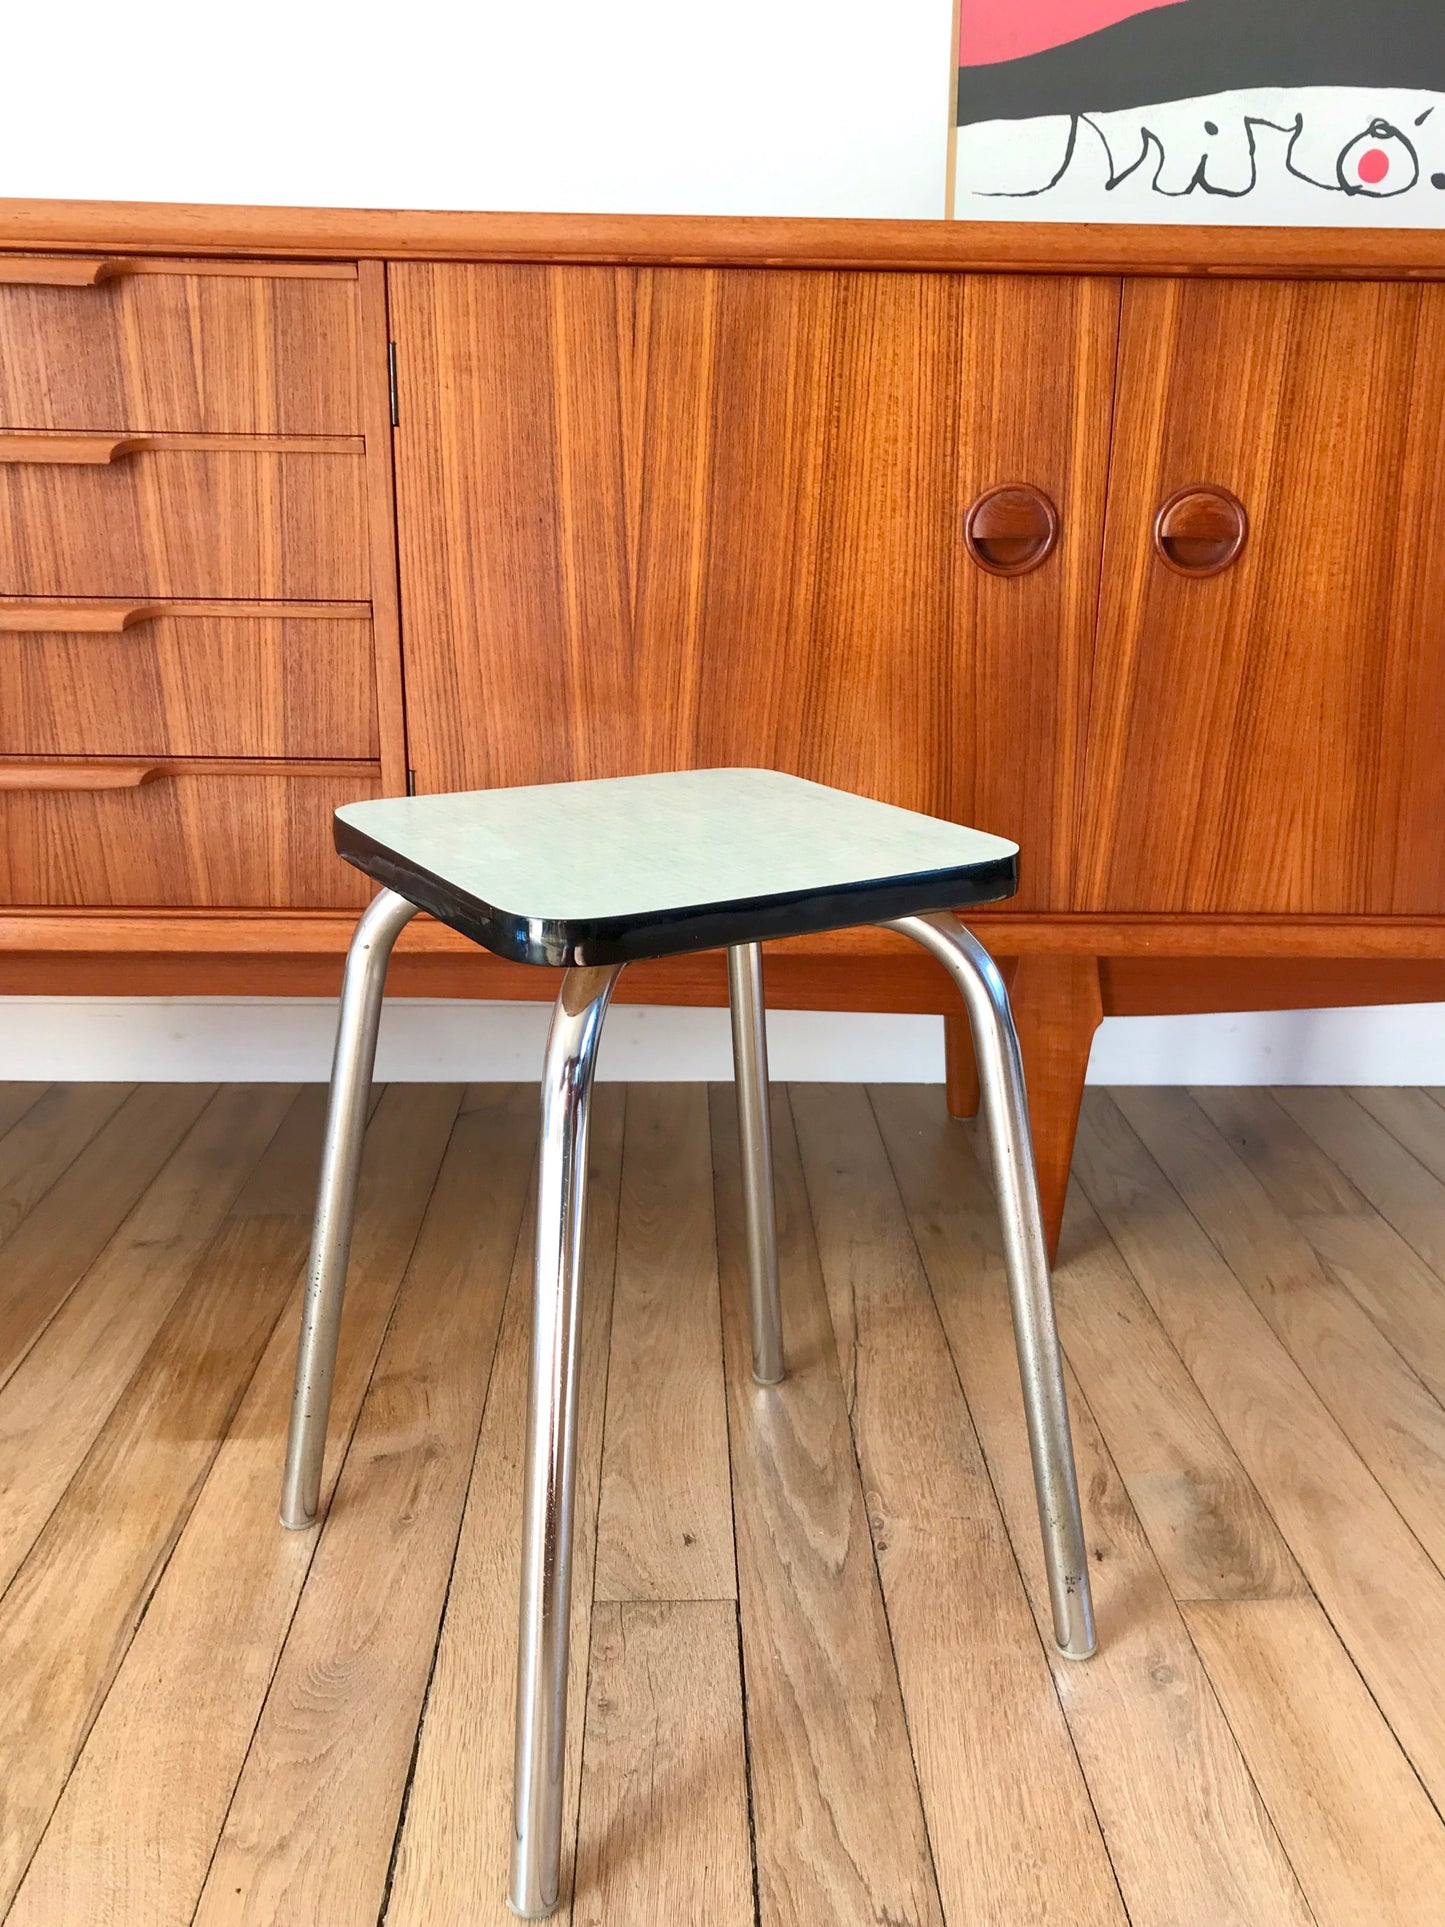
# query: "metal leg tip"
x,y
297,1522
541,1911
1077,1649
1081,1642
777,1379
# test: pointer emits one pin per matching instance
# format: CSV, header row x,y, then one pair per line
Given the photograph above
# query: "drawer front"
x,y
206,838
177,518
219,680
234,348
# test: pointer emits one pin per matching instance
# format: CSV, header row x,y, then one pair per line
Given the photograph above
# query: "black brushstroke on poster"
x,y
1201,47
1150,147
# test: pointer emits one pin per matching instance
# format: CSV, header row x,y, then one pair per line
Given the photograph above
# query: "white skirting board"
x,y
206,1039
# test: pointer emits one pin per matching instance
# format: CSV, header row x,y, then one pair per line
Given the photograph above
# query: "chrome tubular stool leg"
x,y
750,1070
361,991
543,1636
1005,1107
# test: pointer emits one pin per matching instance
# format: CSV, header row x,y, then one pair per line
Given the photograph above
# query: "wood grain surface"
x,y
253,680
665,1523
975,1683
1277,727
1207,1526
76,1601
262,521
822,1688
206,1713
661,519
1357,1246
376,417
50,1249
675,491
315,1808
454,1839
1390,1416
1313,1739
58,1398
213,1628
1407,1192
253,354
1157,1755
1044,247
234,835
16,1101
664,1825
1380,1589
1057,1005
45,1140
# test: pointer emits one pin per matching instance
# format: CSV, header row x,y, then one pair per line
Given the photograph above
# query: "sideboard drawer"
x,y
230,347
178,516
135,836
187,679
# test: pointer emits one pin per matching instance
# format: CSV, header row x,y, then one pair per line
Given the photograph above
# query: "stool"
x,y
593,876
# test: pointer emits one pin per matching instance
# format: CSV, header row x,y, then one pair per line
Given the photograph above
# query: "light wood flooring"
x,y
809,1682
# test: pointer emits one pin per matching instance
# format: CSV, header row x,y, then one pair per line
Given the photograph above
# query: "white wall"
x,y
202,1039
642,106
825,107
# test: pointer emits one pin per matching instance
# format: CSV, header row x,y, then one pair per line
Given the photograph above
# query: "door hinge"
x,y
411,782
391,381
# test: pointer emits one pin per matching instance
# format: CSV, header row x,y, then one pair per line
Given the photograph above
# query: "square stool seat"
x,y
591,876
632,867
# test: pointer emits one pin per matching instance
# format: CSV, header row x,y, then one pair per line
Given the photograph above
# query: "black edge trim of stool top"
x,y
673,933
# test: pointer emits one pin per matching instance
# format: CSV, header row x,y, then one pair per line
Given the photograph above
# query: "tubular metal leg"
x,y
543,1638
750,1069
361,991
1005,1106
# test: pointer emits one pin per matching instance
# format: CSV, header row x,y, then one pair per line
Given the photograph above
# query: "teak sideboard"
x,y
1128,543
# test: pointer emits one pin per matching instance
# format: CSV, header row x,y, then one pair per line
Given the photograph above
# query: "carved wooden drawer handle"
x,y
71,618
71,451
77,776
59,271
1011,529
1200,530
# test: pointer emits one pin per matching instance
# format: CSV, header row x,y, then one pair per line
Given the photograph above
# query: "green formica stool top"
x,y
632,867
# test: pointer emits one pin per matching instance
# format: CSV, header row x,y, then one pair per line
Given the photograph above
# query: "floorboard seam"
x,y
116,1229
377,1094
155,1579
753,1866
1385,1337
1400,1145
80,1151
1289,1351
1299,1562
998,1503
872,1543
140,1362
425,1701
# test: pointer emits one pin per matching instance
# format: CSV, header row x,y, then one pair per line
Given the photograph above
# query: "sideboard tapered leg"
x,y
1057,1007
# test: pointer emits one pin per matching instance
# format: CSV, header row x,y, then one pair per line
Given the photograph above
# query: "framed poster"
x,y
1311,113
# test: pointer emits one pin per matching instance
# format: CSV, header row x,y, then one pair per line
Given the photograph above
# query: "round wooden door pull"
x,y
1200,530
1011,529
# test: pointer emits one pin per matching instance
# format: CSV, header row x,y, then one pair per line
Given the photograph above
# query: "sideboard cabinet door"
x,y
668,518
1270,738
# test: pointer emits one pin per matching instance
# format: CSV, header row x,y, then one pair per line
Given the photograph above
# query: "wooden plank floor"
x,y
811,1681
